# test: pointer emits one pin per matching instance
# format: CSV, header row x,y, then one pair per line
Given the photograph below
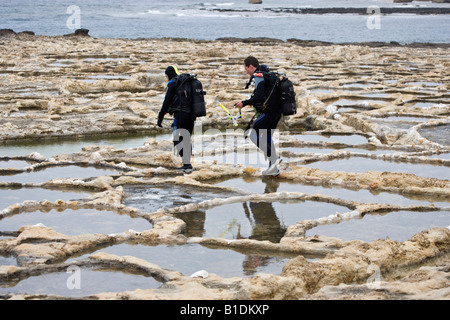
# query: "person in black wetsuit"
x,y
184,119
267,120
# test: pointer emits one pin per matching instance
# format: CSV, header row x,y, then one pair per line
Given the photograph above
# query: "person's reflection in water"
x,y
195,223
265,226
263,218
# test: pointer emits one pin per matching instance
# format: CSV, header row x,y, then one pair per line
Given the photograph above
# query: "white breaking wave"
x,y
225,4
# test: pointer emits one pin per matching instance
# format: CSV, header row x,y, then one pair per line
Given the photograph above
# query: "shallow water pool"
x,y
55,172
16,164
91,281
52,147
267,185
439,134
152,198
75,222
353,139
399,226
254,220
358,165
190,258
11,196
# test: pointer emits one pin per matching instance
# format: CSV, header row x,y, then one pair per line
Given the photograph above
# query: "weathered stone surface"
x,y
75,95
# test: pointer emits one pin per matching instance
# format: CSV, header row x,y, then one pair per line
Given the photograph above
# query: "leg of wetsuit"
x,y
262,133
182,131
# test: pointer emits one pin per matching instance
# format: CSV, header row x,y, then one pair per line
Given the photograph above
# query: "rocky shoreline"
x,y
71,86
256,40
341,10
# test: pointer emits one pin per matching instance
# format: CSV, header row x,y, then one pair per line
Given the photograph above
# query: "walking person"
x,y
184,119
268,114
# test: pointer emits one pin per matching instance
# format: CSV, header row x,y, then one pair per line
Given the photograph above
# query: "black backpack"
x,y
190,94
279,92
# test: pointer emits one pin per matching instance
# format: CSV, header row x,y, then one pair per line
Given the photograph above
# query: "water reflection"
x,y
190,258
263,218
361,195
264,221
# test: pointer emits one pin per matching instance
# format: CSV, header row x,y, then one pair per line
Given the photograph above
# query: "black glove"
x,y
160,120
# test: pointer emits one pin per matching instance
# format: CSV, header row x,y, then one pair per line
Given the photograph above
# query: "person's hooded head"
x,y
171,72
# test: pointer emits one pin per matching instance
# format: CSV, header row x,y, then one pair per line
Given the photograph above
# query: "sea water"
x,y
226,18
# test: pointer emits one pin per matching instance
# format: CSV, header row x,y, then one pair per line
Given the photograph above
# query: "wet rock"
x,y
7,32
80,33
351,263
38,244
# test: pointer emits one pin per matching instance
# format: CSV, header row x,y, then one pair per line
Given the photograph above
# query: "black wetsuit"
x,y
266,122
183,123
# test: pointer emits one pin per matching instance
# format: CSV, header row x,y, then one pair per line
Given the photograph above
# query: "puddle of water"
x,y
223,145
94,78
11,196
406,118
62,63
399,226
17,164
424,105
75,222
353,139
376,95
152,198
322,90
34,93
356,165
209,142
358,85
299,66
103,59
360,103
439,134
400,122
190,258
254,220
423,83
268,185
301,150
91,281
110,76
398,125
441,156
50,148
27,113
254,159
7,260
348,109
50,173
